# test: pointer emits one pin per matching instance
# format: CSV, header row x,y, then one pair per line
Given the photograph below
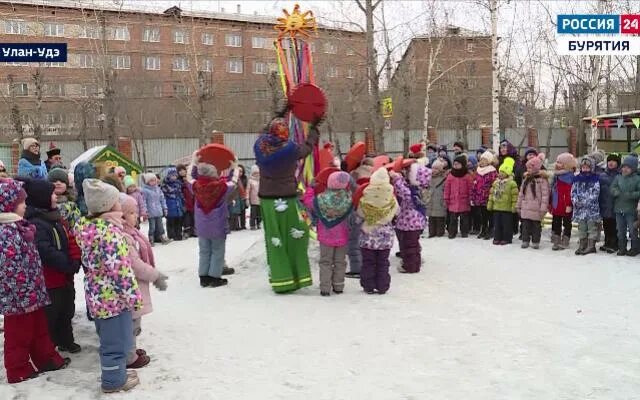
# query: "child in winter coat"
x,y
156,208
625,190
172,190
586,211
253,188
561,207
436,207
360,176
23,293
533,201
457,196
412,219
332,209
111,288
132,189
377,207
187,194
212,221
485,175
606,201
475,215
502,202
144,268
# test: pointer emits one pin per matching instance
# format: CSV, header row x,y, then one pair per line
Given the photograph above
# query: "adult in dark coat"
x,y
54,157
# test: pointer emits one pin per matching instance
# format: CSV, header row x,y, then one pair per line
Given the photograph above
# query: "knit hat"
x,y
438,164
487,156
99,196
567,160
338,180
459,144
631,161
28,142
209,170
587,160
462,159
128,181
432,147
481,150
535,164
530,150
53,150
507,166
614,157
148,176
598,157
128,204
11,194
58,174
471,159
39,193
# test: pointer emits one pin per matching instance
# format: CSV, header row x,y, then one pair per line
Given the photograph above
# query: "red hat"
x,y
358,193
322,178
416,148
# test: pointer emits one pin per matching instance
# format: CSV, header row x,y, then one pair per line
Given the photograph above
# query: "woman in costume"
x,y
286,234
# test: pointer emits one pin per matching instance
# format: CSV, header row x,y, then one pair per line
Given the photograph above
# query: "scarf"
x,y
34,159
459,173
114,217
7,218
562,175
482,171
500,186
416,197
588,177
272,151
377,215
333,206
47,215
209,192
530,179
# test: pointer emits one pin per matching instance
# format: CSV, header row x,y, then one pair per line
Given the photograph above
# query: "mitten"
x,y
161,282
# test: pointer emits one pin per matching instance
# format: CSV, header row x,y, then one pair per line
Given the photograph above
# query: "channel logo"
x,y
598,34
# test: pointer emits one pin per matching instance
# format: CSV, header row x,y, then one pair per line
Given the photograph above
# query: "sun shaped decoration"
x,y
296,23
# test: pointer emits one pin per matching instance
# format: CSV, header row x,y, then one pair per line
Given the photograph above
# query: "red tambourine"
x,y
308,102
399,164
358,194
217,155
355,155
322,178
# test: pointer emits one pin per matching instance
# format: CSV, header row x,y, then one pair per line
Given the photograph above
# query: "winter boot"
x,y
73,348
228,271
165,240
591,247
205,281
524,245
555,239
325,294
140,362
633,252
582,247
217,282
622,251
50,366
131,382
565,242
535,246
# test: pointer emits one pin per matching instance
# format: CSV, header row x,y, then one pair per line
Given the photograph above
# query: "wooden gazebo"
x,y
627,119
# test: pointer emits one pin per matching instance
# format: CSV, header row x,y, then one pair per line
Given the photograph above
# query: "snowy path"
x,y
479,322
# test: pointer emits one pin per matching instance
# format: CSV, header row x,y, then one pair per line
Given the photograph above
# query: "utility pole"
x,y
495,86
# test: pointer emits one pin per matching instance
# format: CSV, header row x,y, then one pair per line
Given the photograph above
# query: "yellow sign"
x,y
387,107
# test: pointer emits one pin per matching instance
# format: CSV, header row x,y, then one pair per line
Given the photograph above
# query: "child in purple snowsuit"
x,y
412,218
377,208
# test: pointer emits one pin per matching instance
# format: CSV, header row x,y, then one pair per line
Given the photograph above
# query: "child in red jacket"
x,y
561,207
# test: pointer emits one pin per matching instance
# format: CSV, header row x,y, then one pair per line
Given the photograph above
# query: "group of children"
x,y
48,232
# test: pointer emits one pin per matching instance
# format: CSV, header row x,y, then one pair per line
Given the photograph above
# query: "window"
x,y
54,119
350,52
57,64
90,32
259,67
261,94
151,63
15,27
470,47
180,64
51,29
85,60
207,38
206,65
350,73
330,48
234,66
151,34
53,89
119,33
180,36
121,62
332,72
258,42
233,40
21,89
88,90
181,90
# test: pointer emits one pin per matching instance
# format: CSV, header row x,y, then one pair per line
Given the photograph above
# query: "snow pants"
x,y
156,229
137,330
116,340
333,266
588,229
531,231
375,270
255,217
610,233
286,237
26,336
626,222
503,226
211,260
436,226
355,256
410,250
60,314
559,223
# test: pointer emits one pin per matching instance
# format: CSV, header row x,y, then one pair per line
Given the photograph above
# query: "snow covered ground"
x,y
479,322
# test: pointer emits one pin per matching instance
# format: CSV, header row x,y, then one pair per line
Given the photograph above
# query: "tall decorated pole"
x,y
295,63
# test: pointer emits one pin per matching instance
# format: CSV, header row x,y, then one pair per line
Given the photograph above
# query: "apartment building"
x,y
162,74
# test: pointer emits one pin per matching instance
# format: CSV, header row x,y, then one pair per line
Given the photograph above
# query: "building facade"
x,y
161,74
459,81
